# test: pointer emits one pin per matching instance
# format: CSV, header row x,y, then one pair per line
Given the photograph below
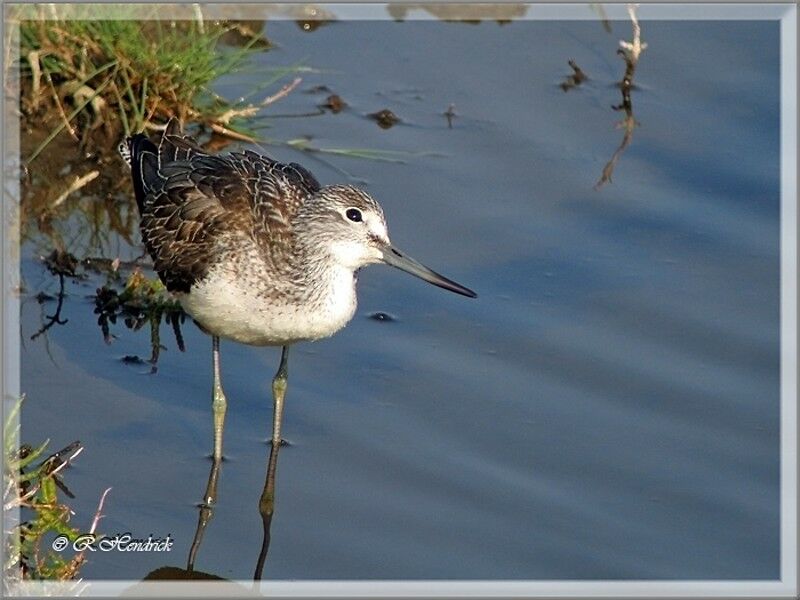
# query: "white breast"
x,y
228,306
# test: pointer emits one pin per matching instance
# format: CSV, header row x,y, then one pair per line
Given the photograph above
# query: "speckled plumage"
x,y
245,241
257,251
188,199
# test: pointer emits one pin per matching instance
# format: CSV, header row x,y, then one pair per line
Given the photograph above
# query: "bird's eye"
x,y
354,215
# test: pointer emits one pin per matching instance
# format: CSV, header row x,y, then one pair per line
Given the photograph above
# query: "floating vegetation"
x,y
318,89
334,103
135,299
249,110
630,53
141,301
309,17
574,80
384,118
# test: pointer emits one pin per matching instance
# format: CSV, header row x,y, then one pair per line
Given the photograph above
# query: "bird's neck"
x,y
325,280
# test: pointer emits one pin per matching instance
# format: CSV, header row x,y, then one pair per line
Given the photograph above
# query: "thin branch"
x,y
36,77
282,93
634,49
74,187
97,514
251,109
630,52
57,101
235,135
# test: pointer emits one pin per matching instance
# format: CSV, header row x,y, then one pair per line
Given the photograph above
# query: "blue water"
x,y
608,408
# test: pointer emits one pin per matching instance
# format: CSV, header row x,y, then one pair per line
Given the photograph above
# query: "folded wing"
x,y
188,199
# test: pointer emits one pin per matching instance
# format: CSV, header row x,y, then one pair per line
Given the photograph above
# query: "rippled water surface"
x,y
607,408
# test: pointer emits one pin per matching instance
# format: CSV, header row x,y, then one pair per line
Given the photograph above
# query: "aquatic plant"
x,y
33,485
142,300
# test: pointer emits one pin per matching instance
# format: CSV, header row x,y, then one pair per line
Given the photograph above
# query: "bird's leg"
x,y
218,406
278,393
218,401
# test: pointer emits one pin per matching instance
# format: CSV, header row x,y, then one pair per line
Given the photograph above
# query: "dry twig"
x,y
36,77
235,135
630,52
251,109
70,129
77,184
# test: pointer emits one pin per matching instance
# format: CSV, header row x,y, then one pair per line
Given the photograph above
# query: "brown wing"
x,y
189,199
276,191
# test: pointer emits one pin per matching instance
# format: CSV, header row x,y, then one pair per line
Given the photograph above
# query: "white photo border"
x,y
786,587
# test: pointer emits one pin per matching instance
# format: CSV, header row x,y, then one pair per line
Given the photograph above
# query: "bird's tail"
x,y
136,151
144,158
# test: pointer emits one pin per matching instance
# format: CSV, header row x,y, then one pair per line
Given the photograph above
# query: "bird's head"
x,y
350,226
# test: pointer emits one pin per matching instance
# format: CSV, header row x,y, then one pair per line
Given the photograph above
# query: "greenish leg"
x,y
278,394
218,402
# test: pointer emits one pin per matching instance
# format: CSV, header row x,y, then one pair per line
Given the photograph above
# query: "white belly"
x,y
232,308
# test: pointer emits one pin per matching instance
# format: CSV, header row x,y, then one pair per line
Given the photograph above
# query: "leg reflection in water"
x,y
266,507
206,510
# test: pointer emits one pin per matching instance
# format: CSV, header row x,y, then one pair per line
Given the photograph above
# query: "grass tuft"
x,y
121,75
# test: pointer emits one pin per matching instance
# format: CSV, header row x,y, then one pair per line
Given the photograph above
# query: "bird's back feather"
x,y
190,200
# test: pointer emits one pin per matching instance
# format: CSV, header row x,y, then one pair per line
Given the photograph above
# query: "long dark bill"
x,y
395,258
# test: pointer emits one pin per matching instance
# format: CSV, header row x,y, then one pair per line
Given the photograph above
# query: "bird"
x,y
255,250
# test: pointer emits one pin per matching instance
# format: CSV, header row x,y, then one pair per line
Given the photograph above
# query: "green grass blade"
x,y
71,116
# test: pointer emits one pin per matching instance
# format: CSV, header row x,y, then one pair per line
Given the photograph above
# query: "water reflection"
x,y
142,301
62,264
245,34
628,124
630,52
266,508
462,13
136,300
206,511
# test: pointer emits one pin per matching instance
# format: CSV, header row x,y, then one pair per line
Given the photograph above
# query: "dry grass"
x,y
114,77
